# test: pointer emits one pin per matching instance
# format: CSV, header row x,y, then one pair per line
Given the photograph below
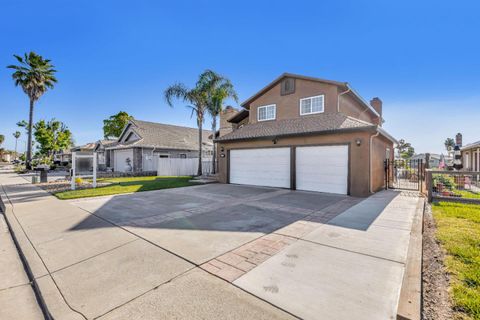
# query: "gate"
x,y
404,174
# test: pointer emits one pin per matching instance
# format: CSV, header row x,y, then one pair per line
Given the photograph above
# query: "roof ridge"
x,y
170,125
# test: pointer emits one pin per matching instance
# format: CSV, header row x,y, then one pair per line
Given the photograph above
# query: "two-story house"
x,y
305,133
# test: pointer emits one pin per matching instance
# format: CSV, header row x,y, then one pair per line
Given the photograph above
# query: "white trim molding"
x,y
274,106
311,105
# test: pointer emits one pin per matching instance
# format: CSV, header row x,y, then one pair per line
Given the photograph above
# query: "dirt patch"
x,y
436,301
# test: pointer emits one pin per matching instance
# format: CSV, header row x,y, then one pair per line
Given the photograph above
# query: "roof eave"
x,y
332,131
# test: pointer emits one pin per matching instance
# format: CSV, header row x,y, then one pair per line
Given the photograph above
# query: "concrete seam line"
x,y
30,275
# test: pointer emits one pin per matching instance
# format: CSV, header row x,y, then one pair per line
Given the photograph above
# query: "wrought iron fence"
x,y
404,174
459,186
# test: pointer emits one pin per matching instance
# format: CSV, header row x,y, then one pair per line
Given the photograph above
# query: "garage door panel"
x,y
322,169
261,167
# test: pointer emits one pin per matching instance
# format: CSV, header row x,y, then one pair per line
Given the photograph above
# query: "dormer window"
x,y
265,113
312,105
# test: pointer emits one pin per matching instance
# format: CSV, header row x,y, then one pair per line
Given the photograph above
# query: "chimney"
x,y
376,103
225,126
458,139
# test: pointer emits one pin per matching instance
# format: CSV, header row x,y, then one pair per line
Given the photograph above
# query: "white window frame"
x,y
311,98
267,106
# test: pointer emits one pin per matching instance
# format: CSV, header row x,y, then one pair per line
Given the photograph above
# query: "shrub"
x,y
447,181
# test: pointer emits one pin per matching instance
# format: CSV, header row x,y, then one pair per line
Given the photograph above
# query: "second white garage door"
x,y
322,169
261,167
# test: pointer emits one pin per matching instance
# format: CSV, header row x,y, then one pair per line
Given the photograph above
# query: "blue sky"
x,y
420,57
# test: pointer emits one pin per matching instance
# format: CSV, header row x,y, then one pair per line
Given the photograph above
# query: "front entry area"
x,y
315,168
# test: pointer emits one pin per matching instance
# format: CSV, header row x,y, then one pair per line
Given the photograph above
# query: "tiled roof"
x,y
327,122
164,136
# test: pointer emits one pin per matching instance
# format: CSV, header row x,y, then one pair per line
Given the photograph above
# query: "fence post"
x,y
429,183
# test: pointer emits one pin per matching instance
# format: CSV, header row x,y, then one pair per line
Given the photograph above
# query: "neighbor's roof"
x,y
325,123
344,85
471,145
163,136
87,146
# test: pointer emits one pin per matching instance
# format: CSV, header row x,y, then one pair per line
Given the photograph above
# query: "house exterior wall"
x,y
351,107
288,106
379,153
359,156
473,155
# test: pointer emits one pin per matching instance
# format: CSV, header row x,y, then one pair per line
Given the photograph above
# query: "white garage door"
x,y
322,169
120,161
261,167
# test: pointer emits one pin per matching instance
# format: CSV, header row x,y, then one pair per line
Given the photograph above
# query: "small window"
x,y
266,112
183,155
164,156
311,105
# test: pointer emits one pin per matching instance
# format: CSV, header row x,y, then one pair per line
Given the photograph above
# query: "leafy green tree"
x,y
52,137
113,126
35,75
219,90
197,99
16,135
405,149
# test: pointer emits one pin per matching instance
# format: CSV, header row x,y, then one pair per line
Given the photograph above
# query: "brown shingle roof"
x,y
164,136
327,122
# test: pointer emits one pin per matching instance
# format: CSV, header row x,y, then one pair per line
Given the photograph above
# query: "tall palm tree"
x,y
35,75
219,90
197,97
16,135
2,139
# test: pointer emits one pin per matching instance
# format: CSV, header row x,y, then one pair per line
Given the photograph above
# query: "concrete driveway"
x,y
216,252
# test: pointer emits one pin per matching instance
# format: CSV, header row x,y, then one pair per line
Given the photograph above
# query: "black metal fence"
x,y
458,186
404,174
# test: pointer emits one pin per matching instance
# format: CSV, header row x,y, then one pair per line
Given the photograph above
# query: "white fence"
x,y
181,167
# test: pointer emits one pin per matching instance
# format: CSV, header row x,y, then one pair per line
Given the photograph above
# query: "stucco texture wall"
x,y
358,157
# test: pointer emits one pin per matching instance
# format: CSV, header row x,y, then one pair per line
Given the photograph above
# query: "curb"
x,y
410,302
7,209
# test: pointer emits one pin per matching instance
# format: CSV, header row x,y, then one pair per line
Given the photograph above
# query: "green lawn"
x,y
127,185
468,194
458,230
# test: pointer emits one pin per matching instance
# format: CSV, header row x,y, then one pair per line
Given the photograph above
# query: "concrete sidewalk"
x,y
15,288
90,268
350,268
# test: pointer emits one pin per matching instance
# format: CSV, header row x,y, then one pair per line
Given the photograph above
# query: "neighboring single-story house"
x,y
305,133
471,156
103,157
142,143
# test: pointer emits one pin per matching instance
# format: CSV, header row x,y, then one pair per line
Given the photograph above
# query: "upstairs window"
x,y
266,112
312,105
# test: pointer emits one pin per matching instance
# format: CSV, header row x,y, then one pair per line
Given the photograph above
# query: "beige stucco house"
x,y
305,133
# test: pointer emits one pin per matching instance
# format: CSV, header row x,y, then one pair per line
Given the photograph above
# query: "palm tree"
x,y
220,89
16,135
2,139
197,97
449,144
35,75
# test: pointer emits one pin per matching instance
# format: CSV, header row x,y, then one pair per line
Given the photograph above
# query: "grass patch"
x,y
458,230
127,185
468,194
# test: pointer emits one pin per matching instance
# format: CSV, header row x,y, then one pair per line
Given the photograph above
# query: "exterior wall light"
x,y
222,148
222,155
358,142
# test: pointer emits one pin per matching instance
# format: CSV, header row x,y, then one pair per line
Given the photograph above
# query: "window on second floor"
x,y
266,112
312,105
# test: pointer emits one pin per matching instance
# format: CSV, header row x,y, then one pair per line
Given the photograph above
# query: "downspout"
x,y
371,160
341,94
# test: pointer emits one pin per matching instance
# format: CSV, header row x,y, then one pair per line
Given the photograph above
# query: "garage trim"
x,y
293,162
